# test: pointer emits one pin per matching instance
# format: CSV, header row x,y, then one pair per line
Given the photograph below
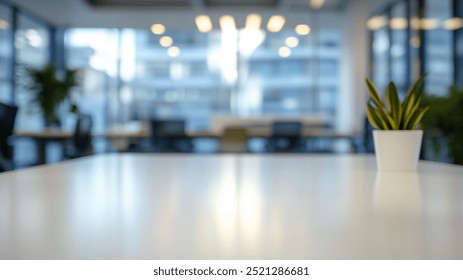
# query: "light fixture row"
x,y
166,41
379,22
227,23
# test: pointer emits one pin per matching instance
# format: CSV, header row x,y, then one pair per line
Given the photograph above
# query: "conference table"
x,y
226,206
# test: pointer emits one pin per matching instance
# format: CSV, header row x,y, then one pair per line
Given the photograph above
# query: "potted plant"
x,y
396,139
51,90
444,124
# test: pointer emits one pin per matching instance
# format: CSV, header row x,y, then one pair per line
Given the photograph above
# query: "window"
x,y
6,51
438,47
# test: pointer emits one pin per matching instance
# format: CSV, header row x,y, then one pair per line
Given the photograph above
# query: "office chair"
x,y
364,144
170,136
286,136
82,138
7,119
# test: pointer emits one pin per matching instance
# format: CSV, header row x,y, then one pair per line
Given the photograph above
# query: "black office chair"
x,y
7,119
364,144
286,137
170,136
82,138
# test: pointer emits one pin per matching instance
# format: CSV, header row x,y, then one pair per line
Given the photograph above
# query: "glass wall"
x,y
192,75
95,53
414,37
438,47
6,51
32,43
32,50
399,46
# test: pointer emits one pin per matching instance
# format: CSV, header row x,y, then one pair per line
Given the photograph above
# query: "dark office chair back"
x,y
171,128
368,137
82,138
170,136
286,136
7,119
286,128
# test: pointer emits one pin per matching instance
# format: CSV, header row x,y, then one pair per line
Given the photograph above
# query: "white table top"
x,y
230,207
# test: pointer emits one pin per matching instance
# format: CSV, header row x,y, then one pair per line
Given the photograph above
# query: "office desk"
x,y
43,137
230,207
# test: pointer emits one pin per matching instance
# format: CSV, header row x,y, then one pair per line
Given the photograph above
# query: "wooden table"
x,y
230,207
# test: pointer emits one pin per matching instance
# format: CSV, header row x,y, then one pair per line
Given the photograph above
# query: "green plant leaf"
x,y
376,98
413,111
374,116
417,118
371,115
393,102
374,94
414,90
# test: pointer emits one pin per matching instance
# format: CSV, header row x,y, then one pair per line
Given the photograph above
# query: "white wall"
x,y
354,66
355,63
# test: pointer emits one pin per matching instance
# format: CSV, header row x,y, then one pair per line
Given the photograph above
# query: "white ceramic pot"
x,y
397,150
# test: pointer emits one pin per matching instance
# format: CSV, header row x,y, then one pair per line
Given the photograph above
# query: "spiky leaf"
x,y
396,115
375,119
393,102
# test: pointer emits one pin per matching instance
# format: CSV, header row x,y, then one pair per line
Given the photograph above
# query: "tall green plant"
x,y
394,114
50,90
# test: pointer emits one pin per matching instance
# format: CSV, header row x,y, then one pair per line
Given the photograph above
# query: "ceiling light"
x,y
275,23
173,51
204,23
292,42
316,4
158,29
227,23
302,29
398,23
415,23
253,21
284,51
166,41
376,23
4,24
429,23
453,23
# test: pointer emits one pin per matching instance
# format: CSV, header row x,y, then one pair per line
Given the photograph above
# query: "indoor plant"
x,y
51,90
397,140
444,124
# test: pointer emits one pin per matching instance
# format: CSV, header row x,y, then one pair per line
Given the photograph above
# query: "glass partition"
x,y
438,48
398,26
32,43
192,75
95,53
6,52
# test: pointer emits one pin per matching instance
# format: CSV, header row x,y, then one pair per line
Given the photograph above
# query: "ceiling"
x,y
292,4
175,14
